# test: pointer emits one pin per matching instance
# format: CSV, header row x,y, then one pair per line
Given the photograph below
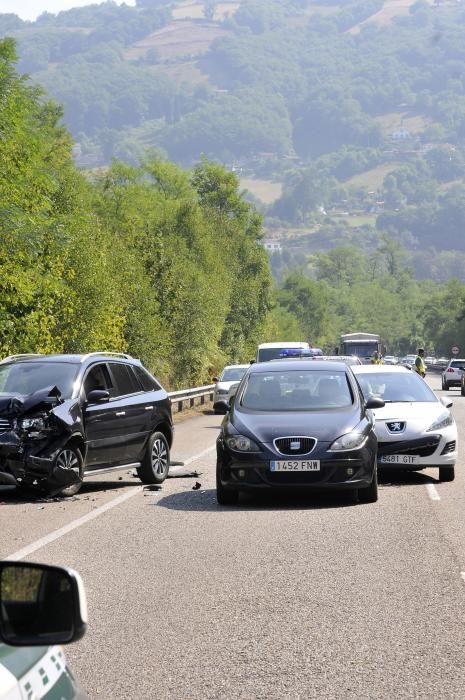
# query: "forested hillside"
x,y
351,114
129,261
351,111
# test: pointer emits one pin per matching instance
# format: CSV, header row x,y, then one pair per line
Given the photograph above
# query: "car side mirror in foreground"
x,y
98,396
224,405
446,402
40,604
374,402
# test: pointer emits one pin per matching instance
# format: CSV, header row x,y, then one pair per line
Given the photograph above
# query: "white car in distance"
x,y
452,375
226,386
415,429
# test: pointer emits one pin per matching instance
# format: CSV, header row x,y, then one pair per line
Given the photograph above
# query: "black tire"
x,y
70,457
446,473
462,390
370,493
442,385
446,386
224,496
156,462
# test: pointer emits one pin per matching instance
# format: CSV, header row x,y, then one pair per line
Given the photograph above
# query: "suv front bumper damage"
x,y
27,457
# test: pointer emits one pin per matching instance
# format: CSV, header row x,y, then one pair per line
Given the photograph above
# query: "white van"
x,y
273,351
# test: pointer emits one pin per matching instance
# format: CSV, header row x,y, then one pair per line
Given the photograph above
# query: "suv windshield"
x,y
24,378
393,387
296,391
233,374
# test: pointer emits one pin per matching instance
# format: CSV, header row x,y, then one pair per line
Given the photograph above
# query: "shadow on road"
x,y
396,477
205,500
10,495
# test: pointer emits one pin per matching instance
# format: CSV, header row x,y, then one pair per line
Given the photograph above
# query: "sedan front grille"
x,y
423,447
294,445
5,425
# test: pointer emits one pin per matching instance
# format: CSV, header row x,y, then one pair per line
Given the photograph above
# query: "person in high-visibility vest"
x,y
376,359
419,366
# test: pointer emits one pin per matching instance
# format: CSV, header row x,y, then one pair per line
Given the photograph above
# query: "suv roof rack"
x,y
106,354
19,356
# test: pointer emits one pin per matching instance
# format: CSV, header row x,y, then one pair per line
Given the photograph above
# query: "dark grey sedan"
x,y
298,424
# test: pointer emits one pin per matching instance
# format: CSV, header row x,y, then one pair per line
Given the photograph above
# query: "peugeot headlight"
x,y
242,444
444,420
37,423
349,441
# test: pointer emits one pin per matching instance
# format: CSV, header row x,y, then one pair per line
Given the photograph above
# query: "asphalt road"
x,y
276,598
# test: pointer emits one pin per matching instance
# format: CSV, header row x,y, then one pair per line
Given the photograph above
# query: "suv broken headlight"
x,y
36,424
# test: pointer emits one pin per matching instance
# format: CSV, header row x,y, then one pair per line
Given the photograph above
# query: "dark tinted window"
x,y
126,382
24,378
147,382
296,391
458,363
98,377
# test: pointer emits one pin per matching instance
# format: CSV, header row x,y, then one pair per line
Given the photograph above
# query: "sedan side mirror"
x,y
446,402
223,406
98,396
374,402
40,604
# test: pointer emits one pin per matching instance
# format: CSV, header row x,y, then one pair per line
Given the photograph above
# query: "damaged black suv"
x,y
65,416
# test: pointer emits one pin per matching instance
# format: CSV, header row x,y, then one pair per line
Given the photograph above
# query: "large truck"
x,y
364,345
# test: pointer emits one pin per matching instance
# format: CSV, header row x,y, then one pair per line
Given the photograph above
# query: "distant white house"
x,y
401,134
271,246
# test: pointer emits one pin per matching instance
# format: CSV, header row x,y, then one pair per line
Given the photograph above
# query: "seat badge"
x,y
295,445
396,426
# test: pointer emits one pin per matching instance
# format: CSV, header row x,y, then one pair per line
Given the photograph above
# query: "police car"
x,y
41,608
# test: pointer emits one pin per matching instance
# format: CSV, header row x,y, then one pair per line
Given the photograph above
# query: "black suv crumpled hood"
x,y
43,400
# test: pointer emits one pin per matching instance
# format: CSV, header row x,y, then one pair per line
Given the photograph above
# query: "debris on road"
x,y
183,473
197,486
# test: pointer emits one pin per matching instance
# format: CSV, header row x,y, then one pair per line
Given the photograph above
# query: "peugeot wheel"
x,y
156,463
69,466
446,473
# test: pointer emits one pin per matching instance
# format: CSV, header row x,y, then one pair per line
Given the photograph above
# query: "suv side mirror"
x,y
374,402
98,396
40,604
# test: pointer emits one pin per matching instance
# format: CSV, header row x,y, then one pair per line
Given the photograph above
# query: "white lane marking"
x,y
52,536
56,534
432,492
199,456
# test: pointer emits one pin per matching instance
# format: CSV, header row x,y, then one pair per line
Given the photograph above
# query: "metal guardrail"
x,y
189,398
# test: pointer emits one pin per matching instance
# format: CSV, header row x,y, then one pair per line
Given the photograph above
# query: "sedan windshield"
x,y
24,378
395,387
233,374
296,391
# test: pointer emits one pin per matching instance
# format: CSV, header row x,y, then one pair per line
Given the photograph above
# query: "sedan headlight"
x,y
444,420
349,441
242,444
36,423
222,392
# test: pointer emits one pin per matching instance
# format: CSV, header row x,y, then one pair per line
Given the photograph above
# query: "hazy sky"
x,y
30,9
